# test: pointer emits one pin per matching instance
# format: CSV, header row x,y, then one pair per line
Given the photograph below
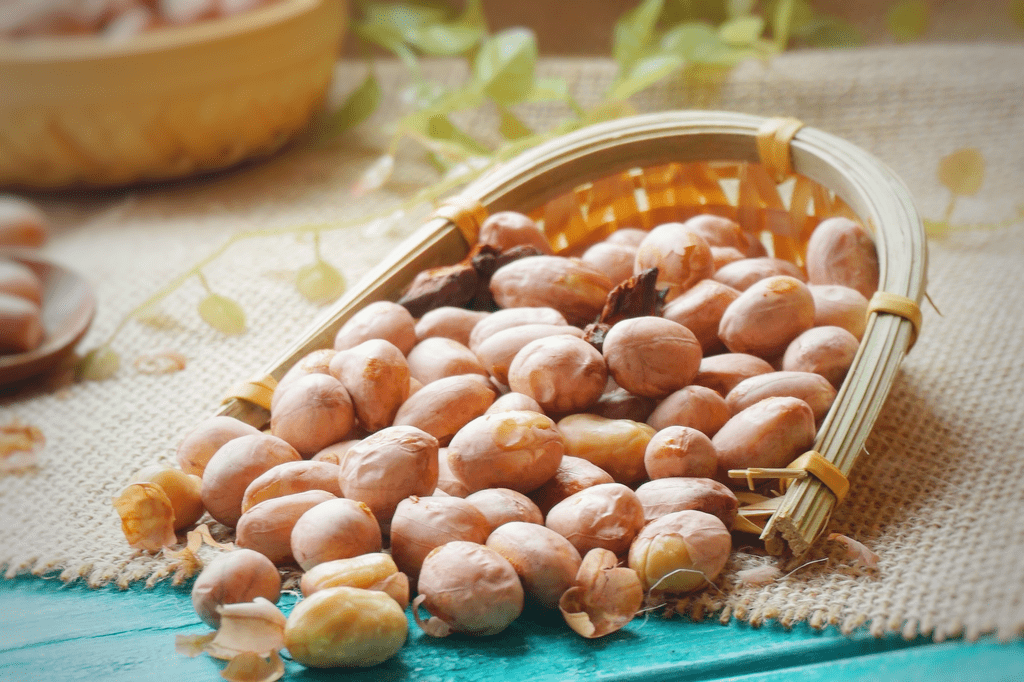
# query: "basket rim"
x,y
62,50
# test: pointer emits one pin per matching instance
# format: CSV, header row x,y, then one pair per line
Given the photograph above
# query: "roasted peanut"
x,y
290,478
512,402
316,362
568,285
573,475
839,306
513,317
842,252
741,274
769,433
614,260
436,358
680,552
828,351
385,468
334,529
517,450
232,578
237,464
545,561
682,257
333,454
698,407
448,322
376,375
680,451
447,482
267,527
314,412
444,406
504,505
497,351
507,229
718,231
651,356
813,389
618,403
721,373
666,495
345,627
380,320
767,316
608,515
630,236
700,309
562,373
422,523
723,255
615,445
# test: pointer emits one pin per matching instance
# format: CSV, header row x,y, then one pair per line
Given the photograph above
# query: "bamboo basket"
x,y
169,103
775,177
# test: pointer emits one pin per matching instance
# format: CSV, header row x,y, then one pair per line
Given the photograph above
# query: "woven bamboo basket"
x,y
173,102
775,177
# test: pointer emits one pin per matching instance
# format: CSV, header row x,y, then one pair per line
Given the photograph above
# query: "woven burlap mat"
x,y
937,497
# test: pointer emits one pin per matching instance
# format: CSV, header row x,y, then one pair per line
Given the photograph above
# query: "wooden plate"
x,y
68,308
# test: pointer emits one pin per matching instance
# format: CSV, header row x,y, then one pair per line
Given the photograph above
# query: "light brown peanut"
x,y
700,310
376,375
666,495
767,316
562,373
379,320
651,356
444,406
698,407
769,433
568,285
842,252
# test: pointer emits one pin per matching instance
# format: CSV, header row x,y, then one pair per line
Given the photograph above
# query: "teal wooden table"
x,y
51,631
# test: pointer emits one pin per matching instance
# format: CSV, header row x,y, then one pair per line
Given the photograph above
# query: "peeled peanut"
x,y
562,373
700,309
334,529
698,407
497,351
506,229
345,627
206,438
573,475
436,358
839,306
651,356
237,464
422,523
608,516
615,445
290,478
618,403
517,450
385,468
316,362
366,572
614,260
19,280
545,562
22,224
828,351
568,285
767,316
21,324
680,451
842,252
666,495
469,588
376,375
510,318
315,412
234,577
721,373
267,527
741,274
503,505
512,402
444,406
185,491
680,552
682,257
448,322
380,320
813,389
769,433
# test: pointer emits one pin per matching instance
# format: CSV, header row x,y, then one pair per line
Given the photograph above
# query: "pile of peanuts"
x,y
513,456
22,226
110,19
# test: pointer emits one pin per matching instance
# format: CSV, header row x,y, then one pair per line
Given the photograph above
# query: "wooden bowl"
x,y
68,308
83,111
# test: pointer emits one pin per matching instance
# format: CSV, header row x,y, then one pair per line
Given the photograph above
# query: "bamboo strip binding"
x,y
649,169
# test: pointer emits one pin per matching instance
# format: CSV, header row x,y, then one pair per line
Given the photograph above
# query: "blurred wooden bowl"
x,y
173,102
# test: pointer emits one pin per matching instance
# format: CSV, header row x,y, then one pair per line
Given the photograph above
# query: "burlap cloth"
x,y
938,498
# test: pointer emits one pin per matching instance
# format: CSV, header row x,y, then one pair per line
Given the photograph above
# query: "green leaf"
x,y
512,127
98,364
356,108
908,19
782,22
1016,10
634,32
644,74
741,31
739,8
320,282
445,40
505,66
549,90
687,40
223,314
400,18
963,171
440,127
